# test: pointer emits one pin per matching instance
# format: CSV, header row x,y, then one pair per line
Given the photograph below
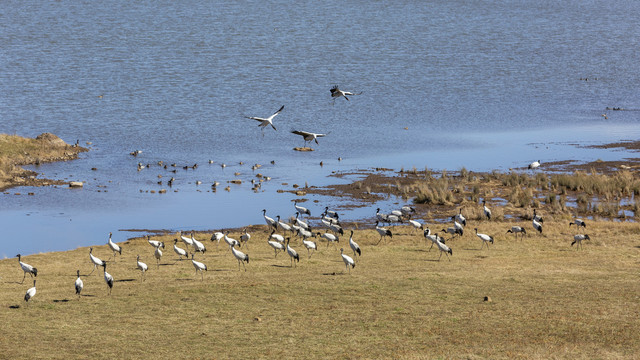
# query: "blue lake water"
x,y
481,85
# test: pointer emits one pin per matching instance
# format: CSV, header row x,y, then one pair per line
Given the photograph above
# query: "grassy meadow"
x,y
547,300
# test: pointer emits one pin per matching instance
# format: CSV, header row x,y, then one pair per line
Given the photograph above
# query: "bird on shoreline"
x,y
95,260
264,122
535,165
114,247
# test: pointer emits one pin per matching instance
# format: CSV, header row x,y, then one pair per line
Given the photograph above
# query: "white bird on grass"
x,y
348,261
78,284
434,238
486,239
487,211
157,254
310,245
301,223
282,225
197,245
516,230
292,254
244,238
270,222
444,249
383,233
217,236
242,257
199,266
460,218
115,248
26,268
537,226
186,240
416,225
141,266
31,292
354,246
276,246
107,277
180,251
330,238
578,223
308,136
95,260
230,241
155,243
264,122
578,239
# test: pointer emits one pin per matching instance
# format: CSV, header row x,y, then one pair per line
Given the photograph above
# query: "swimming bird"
x,y
266,121
534,165
78,284
242,257
180,251
26,268
292,254
107,277
517,229
348,261
578,239
31,292
301,209
308,136
199,266
310,245
95,260
486,239
354,246
142,266
578,223
336,93
115,248
487,211
383,233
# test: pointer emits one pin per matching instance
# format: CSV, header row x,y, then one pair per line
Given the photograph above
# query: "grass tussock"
x,y
547,300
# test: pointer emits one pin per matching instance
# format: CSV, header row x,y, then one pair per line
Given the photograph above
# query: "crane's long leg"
x,y
94,269
431,246
440,256
25,275
245,268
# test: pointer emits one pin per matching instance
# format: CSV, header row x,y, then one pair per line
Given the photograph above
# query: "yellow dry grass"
x,y
547,300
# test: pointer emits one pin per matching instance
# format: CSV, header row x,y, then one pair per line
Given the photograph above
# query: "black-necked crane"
x,y
199,266
336,93
308,136
336,228
217,236
264,122
383,233
330,238
451,230
157,254
459,228
444,249
108,279
26,268
302,223
78,284
276,246
31,292
270,222
244,238
433,237
486,239
310,245
277,237
292,254
156,244
301,209
416,225
487,211
186,240
95,260
537,217
537,225
535,165
180,251
283,225
142,266
394,219
354,246
381,217
408,211
305,234
197,245
114,247
240,256
230,241
517,230
460,218
577,239
578,223
348,261
331,213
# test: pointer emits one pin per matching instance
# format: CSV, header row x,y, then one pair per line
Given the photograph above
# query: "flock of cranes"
x,y
306,135
301,228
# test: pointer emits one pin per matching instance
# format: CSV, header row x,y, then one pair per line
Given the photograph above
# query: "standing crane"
x,y
348,261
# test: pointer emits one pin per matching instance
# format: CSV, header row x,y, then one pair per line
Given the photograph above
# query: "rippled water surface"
x,y
444,85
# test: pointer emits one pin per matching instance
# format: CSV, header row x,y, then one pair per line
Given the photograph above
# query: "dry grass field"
x,y
547,300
